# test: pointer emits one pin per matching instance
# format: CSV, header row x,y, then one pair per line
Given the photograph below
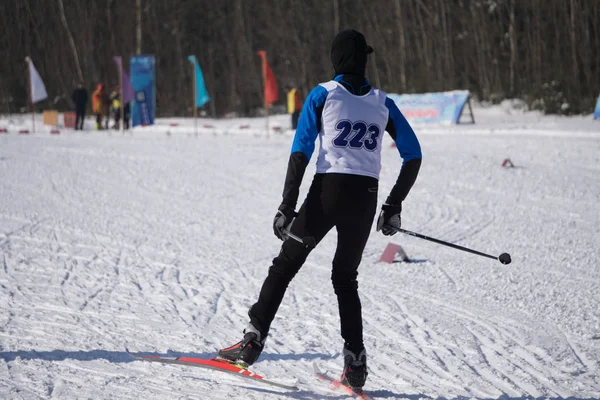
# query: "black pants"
x,y
98,121
348,203
295,117
127,115
79,118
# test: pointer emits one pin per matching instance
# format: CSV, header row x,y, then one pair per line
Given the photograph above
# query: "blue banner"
x,y
597,111
201,93
143,80
445,107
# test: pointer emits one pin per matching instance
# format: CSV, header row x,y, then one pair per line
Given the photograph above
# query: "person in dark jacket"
x,y
80,98
350,117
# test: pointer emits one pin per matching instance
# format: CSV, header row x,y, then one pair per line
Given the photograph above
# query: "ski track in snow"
x,y
161,243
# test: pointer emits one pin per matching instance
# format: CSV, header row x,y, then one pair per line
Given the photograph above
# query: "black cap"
x,y
349,52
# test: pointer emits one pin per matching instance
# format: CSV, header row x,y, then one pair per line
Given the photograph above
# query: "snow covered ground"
x,y
160,242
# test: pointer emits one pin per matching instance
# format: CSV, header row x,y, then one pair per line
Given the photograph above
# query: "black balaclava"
x,y
349,52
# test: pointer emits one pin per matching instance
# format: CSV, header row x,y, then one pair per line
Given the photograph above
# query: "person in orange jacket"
x,y
98,100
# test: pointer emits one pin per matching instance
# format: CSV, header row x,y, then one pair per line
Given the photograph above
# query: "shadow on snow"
x,y
123,357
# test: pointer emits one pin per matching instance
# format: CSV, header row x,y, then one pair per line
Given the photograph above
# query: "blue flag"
x,y
597,111
201,93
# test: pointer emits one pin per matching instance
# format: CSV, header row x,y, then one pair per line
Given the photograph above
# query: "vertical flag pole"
x,y
264,71
31,106
122,114
267,116
194,102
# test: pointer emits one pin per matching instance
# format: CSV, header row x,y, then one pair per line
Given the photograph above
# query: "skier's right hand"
x,y
283,218
389,219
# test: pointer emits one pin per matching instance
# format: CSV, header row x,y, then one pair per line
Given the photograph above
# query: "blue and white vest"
x,y
352,129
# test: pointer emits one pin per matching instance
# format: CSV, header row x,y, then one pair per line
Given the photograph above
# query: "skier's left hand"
x,y
389,219
283,218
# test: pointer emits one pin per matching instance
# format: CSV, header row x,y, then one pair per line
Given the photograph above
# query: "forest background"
x,y
546,52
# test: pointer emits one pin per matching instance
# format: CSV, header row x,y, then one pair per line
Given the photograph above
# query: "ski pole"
x,y
308,241
504,258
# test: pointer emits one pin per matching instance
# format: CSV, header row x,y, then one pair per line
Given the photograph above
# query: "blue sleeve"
x,y
405,138
309,123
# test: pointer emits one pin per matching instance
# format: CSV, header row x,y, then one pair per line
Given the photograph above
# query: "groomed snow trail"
x,y
160,243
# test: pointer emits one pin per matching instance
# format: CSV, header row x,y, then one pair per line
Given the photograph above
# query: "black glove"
x,y
283,218
389,219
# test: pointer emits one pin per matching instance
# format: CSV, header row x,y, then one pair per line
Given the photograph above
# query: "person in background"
x,y
115,106
294,104
115,98
107,108
98,105
126,115
80,98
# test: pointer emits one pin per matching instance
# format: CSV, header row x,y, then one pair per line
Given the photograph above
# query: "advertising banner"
x,y
445,107
143,80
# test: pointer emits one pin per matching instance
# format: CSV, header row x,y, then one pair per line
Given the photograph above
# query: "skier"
x,y
349,117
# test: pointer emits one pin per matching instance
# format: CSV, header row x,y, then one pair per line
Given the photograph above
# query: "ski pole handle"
x,y
308,241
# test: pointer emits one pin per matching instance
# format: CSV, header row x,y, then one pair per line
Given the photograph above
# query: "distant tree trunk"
x,y
403,49
336,17
110,27
71,41
575,70
138,26
449,72
513,48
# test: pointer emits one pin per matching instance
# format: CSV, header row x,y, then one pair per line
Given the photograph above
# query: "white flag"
x,y
38,89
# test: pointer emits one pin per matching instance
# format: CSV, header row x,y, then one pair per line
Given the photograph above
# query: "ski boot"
x,y
355,369
245,352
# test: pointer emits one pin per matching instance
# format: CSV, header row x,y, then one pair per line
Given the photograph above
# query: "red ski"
x,y
338,385
215,364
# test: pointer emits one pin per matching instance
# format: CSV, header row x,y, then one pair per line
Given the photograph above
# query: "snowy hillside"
x,y
159,242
